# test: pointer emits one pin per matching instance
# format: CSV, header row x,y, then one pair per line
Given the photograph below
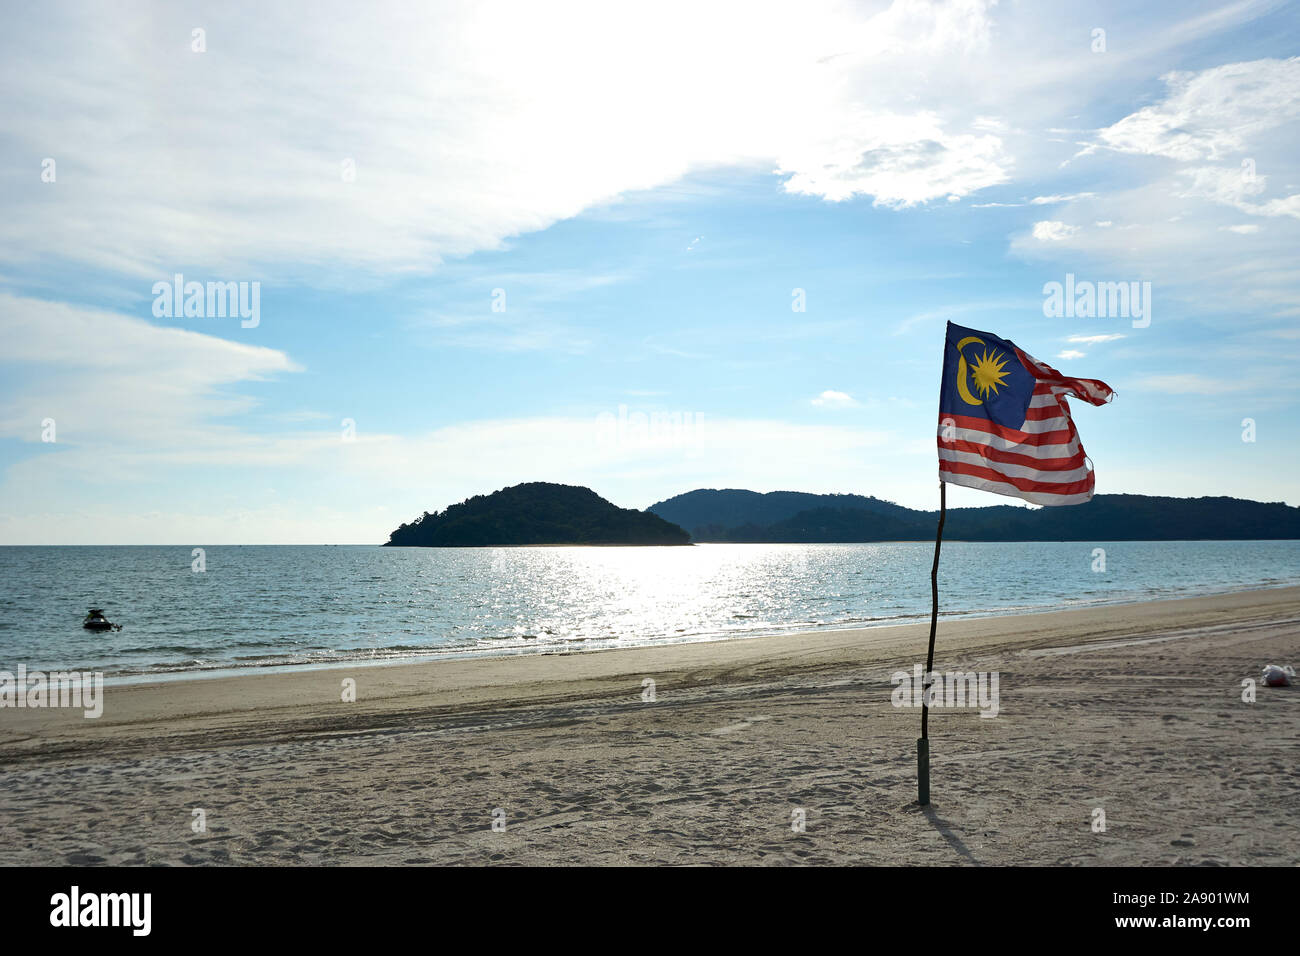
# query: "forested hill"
x,y
711,514
537,513
784,516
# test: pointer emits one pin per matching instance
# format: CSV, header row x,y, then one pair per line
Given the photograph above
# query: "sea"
x,y
278,607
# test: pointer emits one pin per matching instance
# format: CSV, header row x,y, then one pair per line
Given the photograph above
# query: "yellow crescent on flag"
x,y
962,388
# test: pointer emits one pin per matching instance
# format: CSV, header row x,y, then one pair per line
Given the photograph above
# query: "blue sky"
x,y
497,244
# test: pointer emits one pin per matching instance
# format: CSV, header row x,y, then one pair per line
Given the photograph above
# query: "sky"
x,y
644,248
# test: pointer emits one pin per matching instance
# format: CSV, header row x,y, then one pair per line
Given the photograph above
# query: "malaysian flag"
x,y
1004,425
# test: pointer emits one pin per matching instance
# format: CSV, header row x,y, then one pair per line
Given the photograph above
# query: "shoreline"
x,y
548,650
313,688
1135,710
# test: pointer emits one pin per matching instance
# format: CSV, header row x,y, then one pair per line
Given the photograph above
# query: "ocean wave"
x,y
272,612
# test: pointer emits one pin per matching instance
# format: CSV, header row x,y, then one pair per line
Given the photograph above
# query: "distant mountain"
x,y
784,516
711,512
537,512
1128,518
847,524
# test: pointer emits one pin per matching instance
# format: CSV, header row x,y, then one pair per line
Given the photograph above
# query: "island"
x,y
738,515
536,513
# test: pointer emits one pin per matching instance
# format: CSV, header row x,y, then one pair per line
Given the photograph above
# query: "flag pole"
x,y
923,744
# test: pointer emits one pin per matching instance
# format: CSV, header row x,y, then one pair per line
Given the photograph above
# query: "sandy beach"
x,y
1134,711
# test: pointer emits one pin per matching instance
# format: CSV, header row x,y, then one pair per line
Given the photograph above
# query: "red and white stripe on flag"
x,y
1043,461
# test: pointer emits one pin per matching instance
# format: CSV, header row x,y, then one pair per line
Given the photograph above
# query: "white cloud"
x,y
470,124
1212,114
145,453
1071,354
1095,339
1241,230
834,399
1221,184
1222,141
1052,231
900,160
1230,187
107,378
1051,200
60,498
465,123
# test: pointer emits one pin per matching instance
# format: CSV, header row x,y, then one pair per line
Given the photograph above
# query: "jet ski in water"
x,y
95,621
